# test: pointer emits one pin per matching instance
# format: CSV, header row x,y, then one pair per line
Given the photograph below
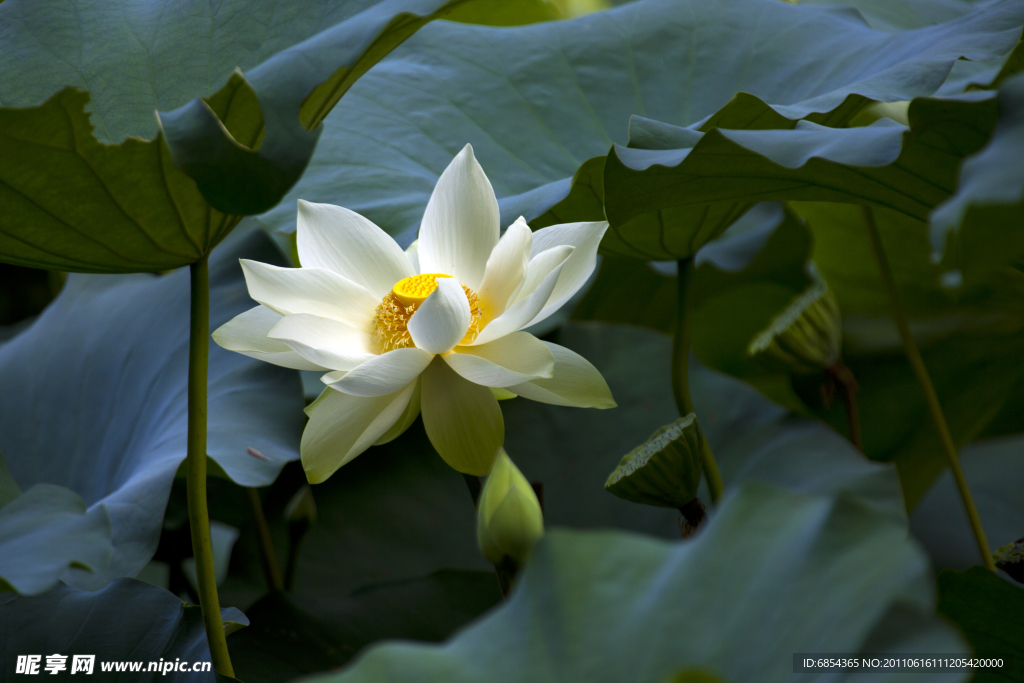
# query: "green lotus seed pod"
x,y
509,518
806,337
665,471
1010,558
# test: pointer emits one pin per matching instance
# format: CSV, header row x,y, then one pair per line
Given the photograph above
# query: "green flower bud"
x,y
509,518
665,470
806,337
1010,558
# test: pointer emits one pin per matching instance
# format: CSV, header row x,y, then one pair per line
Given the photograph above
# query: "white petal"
x,y
247,334
409,415
576,383
442,320
323,341
545,270
462,419
461,223
343,241
413,254
384,374
539,267
585,237
506,269
515,358
343,426
316,291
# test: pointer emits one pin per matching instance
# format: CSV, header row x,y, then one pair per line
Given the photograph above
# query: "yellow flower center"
x,y
391,325
413,290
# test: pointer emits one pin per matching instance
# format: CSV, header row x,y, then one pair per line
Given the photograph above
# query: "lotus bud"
x,y
806,337
509,518
665,470
1010,558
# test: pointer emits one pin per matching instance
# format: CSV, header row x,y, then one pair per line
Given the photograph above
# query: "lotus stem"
x,y
681,374
198,513
927,388
271,570
506,572
844,377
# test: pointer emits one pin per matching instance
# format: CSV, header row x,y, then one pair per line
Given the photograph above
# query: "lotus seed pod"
x,y
1010,558
664,471
509,518
806,337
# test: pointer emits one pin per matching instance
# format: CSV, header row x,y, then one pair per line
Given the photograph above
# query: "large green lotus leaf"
x,y
399,512
126,621
899,15
538,101
987,609
886,15
286,639
573,451
47,531
9,489
995,471
970,343
968,326
730,306
845,259
634,292
990,193
95,397
630,292
92,181
774,574
664,203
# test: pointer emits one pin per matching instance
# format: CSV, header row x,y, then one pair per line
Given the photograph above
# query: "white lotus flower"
x,y
436,330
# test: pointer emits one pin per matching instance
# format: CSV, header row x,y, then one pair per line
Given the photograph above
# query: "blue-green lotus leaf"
x,y
987,610
46,532
995,472
95,398
990,190
127,621
664,203
609,606
538,101
94,181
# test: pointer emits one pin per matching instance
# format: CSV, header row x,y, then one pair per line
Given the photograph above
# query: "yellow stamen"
x,y
414,290
391,324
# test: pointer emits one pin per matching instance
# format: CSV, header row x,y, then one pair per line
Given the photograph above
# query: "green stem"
x,y
270,569
844,377
198,514
506,571
681,374
927,388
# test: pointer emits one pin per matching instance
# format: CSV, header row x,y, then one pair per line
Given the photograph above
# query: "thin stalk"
x,y
198,514
267,554
844,377
927,388
506,571
681,374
